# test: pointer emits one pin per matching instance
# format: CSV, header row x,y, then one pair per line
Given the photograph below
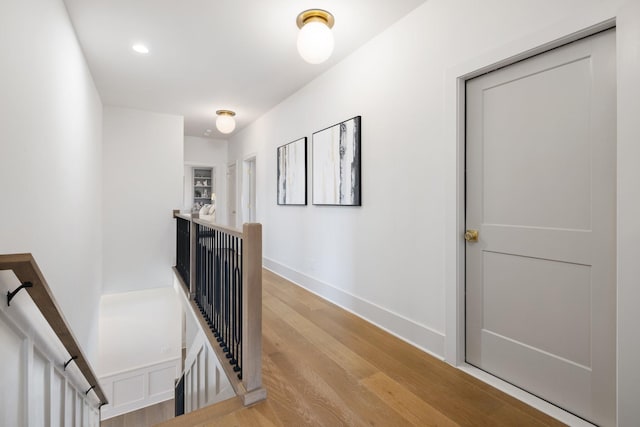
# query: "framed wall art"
x,y
292,173
336,164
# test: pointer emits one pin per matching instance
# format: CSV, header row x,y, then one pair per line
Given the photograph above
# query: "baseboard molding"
x,y
138,388
407,330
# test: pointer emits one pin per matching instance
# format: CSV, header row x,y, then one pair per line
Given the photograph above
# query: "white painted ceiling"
x,y
207,55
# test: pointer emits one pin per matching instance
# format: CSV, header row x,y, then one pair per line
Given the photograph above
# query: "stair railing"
x,y
32,281
224,283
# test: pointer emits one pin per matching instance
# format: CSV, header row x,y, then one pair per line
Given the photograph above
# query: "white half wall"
x,y
50,158
140,348
139,329
139,388
206,152
142,175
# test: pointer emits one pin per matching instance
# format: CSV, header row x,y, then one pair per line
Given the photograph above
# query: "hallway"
x,y
323,366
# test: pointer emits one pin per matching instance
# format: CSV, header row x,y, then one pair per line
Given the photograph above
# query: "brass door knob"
x,y
471,235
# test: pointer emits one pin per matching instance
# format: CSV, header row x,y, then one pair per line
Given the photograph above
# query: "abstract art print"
x,y
292,173
336,164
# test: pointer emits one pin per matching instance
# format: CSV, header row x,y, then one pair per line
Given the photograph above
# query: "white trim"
x,y
205,393
529,399
147,398
250,156
552,37
417,335
137,368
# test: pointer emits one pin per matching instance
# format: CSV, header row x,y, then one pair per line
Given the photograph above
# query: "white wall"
x,y
140,348
50,157
211,153
387,259
138,329
142,175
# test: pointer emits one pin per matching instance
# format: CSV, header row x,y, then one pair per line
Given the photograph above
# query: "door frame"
x,y
455,134
246,186
229,207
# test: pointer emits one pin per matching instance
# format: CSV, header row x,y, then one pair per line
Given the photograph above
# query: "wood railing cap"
x,y
26,269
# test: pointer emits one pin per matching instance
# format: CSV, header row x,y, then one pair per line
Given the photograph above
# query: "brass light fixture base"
x,y
225,113
315,15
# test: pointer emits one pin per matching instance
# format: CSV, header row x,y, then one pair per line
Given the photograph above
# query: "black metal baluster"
x,y
187,256
237,303
210,281
216,284
225,321
197,270
240,311
232,301
201,267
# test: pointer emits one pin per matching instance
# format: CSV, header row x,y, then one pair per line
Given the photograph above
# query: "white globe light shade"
x,y
225,123
315,42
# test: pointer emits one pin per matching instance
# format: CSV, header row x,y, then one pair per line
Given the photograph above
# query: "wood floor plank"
x,y
324,366
434,381
321,340
408,405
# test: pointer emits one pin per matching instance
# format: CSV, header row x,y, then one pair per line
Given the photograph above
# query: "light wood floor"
x,y
323,366
145,417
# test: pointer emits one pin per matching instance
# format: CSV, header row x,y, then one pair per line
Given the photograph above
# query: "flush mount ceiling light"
x,y
315,39
225,121
140,48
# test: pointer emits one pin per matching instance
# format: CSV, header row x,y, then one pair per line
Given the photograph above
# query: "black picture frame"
x,y
292,173
337,168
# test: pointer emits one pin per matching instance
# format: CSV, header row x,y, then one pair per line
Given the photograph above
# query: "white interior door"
x,y
541,192
231,195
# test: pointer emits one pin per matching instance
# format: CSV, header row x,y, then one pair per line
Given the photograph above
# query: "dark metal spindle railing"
x,y
182,248
219,288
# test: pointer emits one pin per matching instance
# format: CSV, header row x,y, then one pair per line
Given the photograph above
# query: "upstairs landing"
x,y
323,366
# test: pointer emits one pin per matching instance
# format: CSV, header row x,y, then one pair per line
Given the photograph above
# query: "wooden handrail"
x,y
26,270
196,218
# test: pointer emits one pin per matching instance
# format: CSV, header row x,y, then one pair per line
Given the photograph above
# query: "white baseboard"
x,y
407,330
138,388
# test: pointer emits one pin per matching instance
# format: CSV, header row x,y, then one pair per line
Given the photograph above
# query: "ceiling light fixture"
x,y
315,39
225,121
140,48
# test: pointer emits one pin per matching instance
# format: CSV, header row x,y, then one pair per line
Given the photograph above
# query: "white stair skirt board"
x,y
205,382
140,387
407,330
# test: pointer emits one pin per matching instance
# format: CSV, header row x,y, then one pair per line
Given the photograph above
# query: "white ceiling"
x,y
207,55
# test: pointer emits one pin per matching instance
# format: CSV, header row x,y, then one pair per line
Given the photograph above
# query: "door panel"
x,y
541,180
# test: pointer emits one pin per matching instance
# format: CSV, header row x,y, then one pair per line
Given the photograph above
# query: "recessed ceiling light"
x,y
140,48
